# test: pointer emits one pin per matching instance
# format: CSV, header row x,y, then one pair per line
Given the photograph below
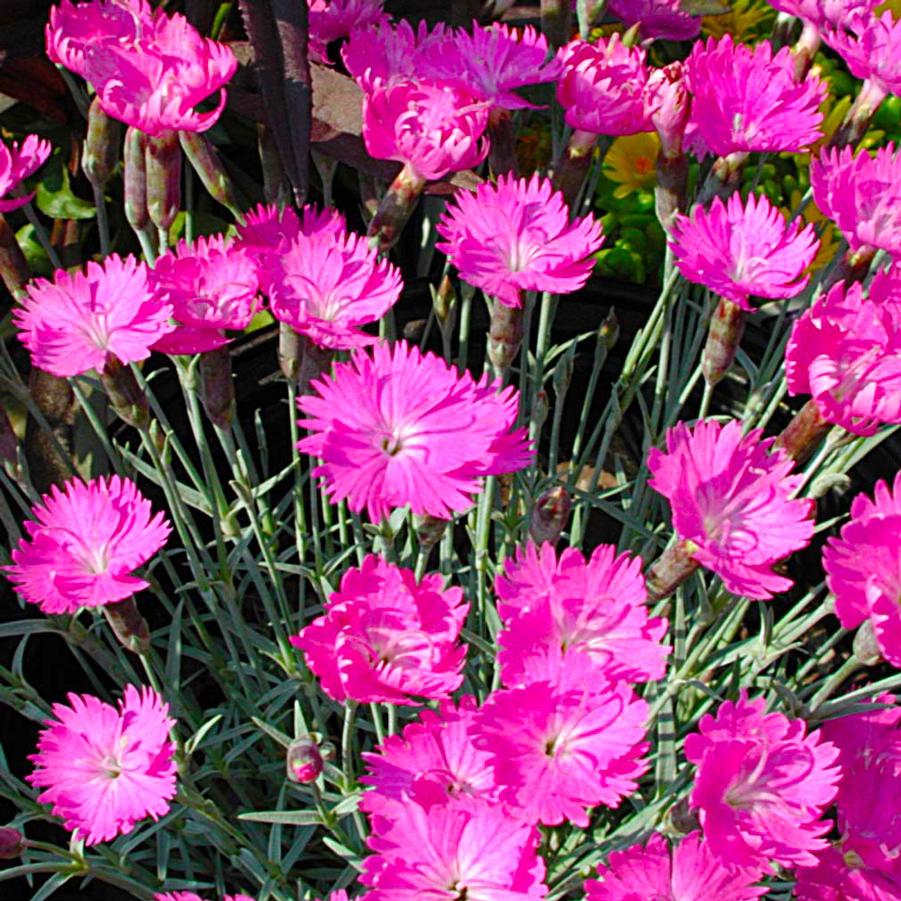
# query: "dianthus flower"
x,y
212,286
845,351
326,284
384,637
688,872
748,99
601,88
516,236
825,13
863,568
493,61
84,543
190,896
399,427
761,785
331,20
861,194
596,608
841,875
73,323
566,740
267,232
430,127
731,501
392,52
149,69
105,769
433,760
664,19
742,249
871,47
463,849
17,162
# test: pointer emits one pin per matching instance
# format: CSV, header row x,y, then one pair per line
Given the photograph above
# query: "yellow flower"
x,y
631,162
744,22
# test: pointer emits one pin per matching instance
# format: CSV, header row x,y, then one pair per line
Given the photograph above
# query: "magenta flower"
x,y
17,162
845,351
386,637
493,61
690,872
430,127
73,323
465,849
326,285
841,875
190,896
566,740
602,87
732,498
749,99
432,761
212,286
862,195
105,769
150,70
516,236
761,786
385,442
871,47
738,250
392,53
664,19
825,13
331,20
596,608
84,543
863,568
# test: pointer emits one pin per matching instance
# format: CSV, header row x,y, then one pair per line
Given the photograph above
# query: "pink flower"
x,y
657,18
595,608
761,785
731,496
84,543
466,849
516,236
431,762
861,194
840,875
73,323
325,284
190,896
747,99
386,637
602,87
845,350
738,250
149,70
17,162
824,13
863,568
212,286
493,61
668,105
689,872
105,769
386,441
430,127
871,47
331,20
392,53
566,740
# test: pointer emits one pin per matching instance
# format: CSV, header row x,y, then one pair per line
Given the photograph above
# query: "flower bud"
x,y
727,325
429,530
129,627
163,164
504,336
135,179
303,760
125,395
217,387
101,146
668,105
866,646
12,843
550,515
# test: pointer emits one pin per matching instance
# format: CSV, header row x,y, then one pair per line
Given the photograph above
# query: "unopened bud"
x,y
129,627
429,530
682,818
101,146
217,387
668,105
135,179
804,434
504,336
563,372
672,568
444,303
866,645
727,325
303,760
12,843
206,163
163,179
608,332
9,441
550,515
539,411
125,395
395,209
414,330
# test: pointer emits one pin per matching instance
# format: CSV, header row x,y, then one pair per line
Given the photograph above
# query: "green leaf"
x,y
285,817
54,195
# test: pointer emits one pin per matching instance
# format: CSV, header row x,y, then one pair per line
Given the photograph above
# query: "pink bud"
x,y
668,105
303,760
12,843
